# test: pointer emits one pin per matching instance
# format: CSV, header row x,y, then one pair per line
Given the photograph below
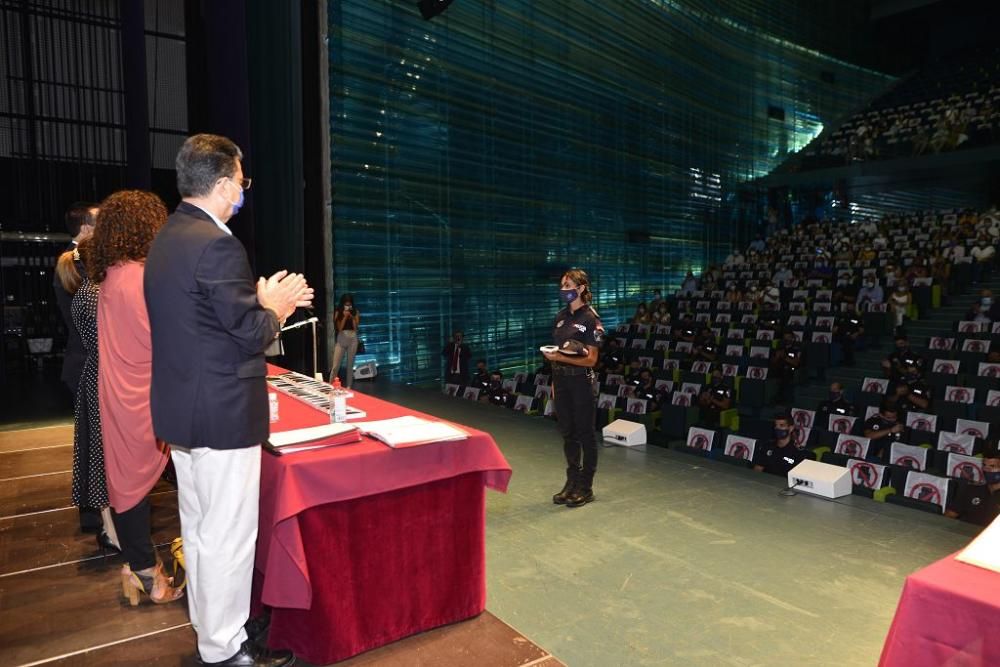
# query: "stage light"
x,y
431,8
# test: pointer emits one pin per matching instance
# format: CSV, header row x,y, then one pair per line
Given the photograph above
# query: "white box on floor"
x,y
625,433
365,371
820,479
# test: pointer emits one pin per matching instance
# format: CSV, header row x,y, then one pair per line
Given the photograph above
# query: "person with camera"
x,y
346,319
577,335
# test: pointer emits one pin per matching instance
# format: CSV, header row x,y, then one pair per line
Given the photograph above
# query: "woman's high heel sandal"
x,y
153,582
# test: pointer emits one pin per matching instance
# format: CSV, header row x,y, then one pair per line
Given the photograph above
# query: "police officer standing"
x,y
577,334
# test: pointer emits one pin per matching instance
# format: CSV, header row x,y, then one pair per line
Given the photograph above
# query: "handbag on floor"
x,y
180,571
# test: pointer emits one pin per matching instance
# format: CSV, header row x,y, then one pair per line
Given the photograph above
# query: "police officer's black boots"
x,y
582,494
567,490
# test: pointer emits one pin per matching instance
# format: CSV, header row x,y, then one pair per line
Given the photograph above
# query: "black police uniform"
x,y
878,449
975,503
848,325
779,460
840,406
901,358
919,388
719,390
574,395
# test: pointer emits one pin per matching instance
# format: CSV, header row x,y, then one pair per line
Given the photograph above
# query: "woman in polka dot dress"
x,y
89,487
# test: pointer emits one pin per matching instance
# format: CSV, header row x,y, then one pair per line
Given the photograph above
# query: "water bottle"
x,y
272,403
338,413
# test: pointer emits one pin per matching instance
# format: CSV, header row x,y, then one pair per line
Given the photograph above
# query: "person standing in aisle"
x,y
346,319
578,334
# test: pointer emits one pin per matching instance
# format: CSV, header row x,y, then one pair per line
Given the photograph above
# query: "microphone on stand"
x,y
312,320
300,324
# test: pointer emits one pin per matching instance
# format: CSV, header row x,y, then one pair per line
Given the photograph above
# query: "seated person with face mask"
x,y
894,364
646,389
835,404
780,455
496,394
715,398
980,503
882,430
848,329
984,311
912,391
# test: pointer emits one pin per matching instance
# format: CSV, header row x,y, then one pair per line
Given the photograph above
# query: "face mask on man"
x,y
986,301
780,433
992,476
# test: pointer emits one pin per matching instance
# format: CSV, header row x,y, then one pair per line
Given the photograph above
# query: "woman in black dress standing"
x,y
89,486
578,334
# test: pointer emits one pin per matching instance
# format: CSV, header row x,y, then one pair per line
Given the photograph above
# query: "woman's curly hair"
x,y
126,226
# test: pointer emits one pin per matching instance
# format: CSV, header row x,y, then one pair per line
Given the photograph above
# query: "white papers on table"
x,y
984,551
411,430
313,434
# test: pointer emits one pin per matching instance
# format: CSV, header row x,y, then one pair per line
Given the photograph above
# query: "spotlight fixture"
x,y
431,8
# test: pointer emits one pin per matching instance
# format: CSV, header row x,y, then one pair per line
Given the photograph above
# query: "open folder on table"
x,y
313,437
411,431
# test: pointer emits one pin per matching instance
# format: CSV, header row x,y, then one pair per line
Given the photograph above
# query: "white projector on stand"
x,y
820,479
624,433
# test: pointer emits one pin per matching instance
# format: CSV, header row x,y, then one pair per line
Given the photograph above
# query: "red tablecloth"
x,y
361,544
948,614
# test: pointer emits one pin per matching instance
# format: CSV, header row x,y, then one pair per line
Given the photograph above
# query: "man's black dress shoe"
x,y
567,491
251,655
580,497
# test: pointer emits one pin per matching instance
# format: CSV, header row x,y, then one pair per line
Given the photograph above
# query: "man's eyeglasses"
x,y
243,182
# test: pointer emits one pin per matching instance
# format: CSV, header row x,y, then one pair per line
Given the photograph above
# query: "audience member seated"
x,y
787,358
882,430
778,455
612,357
982,257
894,364
899,302
835,404
496,394
912,392
662,314
984,310
980,503
641,315
481,378
870,293
847,330
715,398
690,284
646,389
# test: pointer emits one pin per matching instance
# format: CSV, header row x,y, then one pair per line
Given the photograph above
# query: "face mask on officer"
x,y
780,433
992,476
568,296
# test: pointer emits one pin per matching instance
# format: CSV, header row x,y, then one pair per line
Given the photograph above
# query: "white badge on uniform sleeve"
x,y
560,323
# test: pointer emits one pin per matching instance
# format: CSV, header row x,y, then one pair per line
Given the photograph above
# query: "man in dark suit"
x,y
456,355
80,219
210,324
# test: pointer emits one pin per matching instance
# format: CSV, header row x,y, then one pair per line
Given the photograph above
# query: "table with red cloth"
x,y
360,545
948,614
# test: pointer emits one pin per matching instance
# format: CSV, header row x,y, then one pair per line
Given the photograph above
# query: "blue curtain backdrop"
x,y
477,155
